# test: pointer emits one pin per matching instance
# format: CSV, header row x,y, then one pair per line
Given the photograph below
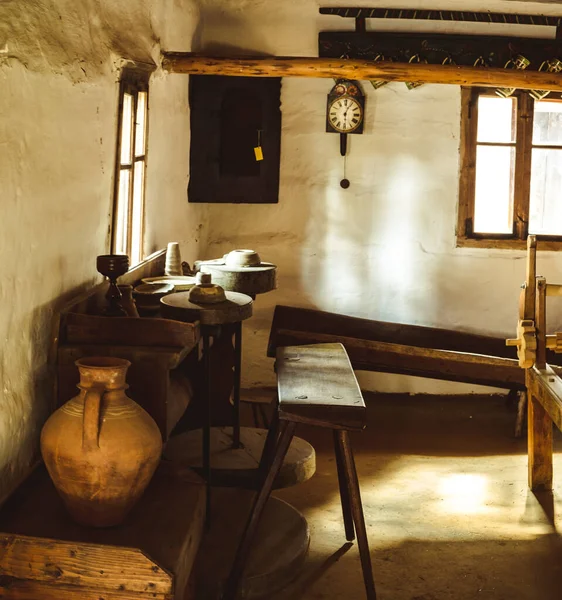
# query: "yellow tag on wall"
x,y
259,153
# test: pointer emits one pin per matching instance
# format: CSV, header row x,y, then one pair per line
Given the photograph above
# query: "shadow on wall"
x,y
31,398
213,21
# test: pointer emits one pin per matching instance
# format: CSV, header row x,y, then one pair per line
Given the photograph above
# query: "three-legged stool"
x,y
316,386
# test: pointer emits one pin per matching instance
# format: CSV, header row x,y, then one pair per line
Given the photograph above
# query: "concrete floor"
x,y
448,511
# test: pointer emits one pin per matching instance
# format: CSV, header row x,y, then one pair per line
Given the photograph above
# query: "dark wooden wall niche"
x,y
230,116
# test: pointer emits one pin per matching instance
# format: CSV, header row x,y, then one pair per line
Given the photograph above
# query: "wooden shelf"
x,y
296,66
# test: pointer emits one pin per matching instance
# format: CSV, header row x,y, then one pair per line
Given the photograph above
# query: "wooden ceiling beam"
x,y
193,64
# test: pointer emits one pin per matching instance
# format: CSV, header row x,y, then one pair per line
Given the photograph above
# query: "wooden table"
x,y
212,317
46,556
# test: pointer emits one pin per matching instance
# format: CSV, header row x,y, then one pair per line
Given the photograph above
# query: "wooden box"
x,y
44,555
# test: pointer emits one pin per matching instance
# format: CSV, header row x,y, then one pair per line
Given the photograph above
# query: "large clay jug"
x,y
101,448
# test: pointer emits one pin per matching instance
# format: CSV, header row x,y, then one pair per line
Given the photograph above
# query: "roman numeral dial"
x,y
345,114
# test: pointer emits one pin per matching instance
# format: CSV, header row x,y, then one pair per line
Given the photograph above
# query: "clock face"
x,y
345,114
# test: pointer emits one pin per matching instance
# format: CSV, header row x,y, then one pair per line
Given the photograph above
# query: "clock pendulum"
x,y
345,114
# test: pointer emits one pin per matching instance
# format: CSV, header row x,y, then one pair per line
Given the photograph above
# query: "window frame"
x,y
133,81
466,237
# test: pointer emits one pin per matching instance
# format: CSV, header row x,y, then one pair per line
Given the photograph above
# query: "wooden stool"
x,y
317,386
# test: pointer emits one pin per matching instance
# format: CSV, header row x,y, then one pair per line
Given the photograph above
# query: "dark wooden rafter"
x,y
442,15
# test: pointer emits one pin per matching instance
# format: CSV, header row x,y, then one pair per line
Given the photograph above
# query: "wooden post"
x,y
530,276
539,422
540,322
539,442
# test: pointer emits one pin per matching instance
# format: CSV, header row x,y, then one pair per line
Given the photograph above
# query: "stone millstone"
x,y
278,552
247,280
237,467
237,307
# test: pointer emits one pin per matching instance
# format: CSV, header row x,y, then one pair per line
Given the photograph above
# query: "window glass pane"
x,y
493,202
545,214
126,129
140,133
496,119
547,123
122,214
137,213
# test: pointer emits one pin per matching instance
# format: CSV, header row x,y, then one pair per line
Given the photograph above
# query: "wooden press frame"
x,y
544,385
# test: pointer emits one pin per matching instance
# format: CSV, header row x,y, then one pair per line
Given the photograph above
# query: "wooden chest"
x,y
44,555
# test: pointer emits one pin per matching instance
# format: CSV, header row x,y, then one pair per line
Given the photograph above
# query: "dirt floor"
x,y
448,511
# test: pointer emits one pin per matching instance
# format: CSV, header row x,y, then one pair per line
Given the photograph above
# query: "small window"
x,y
128,206
511,170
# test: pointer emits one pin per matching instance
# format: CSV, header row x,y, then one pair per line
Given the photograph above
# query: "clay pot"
x,y
101,448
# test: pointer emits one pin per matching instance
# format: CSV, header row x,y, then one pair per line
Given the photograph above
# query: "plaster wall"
x,y
59,72
384,248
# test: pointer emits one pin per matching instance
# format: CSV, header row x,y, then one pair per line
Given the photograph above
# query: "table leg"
x,y
237,378
207,422
352,480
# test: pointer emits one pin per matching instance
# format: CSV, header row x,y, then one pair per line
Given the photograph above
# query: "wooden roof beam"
x,y
193,64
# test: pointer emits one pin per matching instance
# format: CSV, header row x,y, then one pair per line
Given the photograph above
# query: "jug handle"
x,y
91,423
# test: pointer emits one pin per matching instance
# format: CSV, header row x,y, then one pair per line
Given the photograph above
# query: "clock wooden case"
x,y
345,110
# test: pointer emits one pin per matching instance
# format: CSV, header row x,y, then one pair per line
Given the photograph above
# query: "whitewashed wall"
x,y
384,248
59,71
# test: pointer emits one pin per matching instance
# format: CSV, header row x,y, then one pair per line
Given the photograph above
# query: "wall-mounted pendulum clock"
x,y
345,114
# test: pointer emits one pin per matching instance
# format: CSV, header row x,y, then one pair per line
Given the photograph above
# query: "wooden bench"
x,y
316,386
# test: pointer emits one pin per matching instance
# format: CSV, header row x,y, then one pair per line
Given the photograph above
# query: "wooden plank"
x,y
421,362
127,331
193,64
310,320
546,244
546,387
316,384
170,357
91,565
17,589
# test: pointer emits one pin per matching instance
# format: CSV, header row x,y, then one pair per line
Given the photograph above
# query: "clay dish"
x,y
147,295
242,258
179,282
